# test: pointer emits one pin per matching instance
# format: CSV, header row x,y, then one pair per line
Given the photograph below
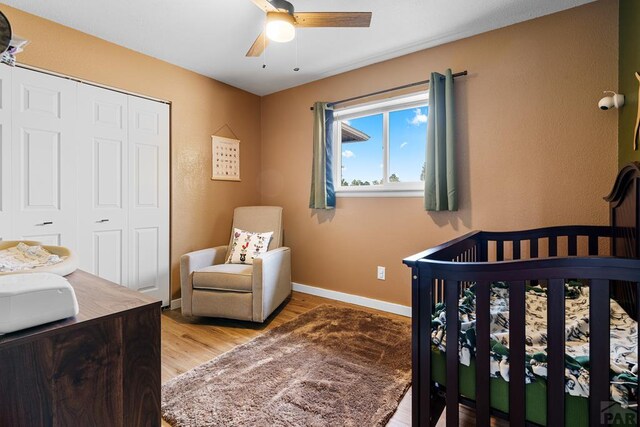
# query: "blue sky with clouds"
x,y
407,140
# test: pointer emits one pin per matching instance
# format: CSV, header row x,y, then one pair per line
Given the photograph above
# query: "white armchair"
x,y
239,291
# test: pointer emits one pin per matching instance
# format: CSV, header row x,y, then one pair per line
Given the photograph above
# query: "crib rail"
x,y
441,273
485,246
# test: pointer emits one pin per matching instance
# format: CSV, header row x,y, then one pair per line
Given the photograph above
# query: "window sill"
x,y
379,193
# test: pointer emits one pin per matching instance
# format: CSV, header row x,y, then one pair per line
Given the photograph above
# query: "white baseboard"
x,y
389,307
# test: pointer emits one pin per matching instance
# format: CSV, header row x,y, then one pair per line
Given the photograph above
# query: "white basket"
x,y
67,266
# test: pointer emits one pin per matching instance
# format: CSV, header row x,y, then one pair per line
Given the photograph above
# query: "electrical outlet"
x,y
381,273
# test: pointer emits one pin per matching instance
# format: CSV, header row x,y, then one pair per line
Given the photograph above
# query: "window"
x,y
380,148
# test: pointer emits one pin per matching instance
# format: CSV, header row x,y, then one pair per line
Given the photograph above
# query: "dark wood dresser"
x,y
101,368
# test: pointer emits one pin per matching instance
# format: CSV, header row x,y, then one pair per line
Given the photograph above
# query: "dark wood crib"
x,y
603,257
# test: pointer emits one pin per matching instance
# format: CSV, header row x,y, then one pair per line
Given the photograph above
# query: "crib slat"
x,y
593,245
517,310
553,246
499,250
483,366
573,245
451,294
483,251
598,348
516,249
555,352
533,248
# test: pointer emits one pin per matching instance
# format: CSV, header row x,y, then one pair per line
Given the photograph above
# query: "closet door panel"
x,y
41,169
147,258
108,255
44,158
103,183
5,152
149,197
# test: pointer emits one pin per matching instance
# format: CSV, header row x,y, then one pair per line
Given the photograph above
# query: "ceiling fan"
x,y
282,22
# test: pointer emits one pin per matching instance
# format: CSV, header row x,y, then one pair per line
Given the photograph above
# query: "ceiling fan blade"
x,y
258,46
333,19
265,5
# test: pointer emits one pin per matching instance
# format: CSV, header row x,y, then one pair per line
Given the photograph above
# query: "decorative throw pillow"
x,y
247,246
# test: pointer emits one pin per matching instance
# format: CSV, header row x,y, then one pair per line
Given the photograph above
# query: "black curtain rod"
x,y
393,89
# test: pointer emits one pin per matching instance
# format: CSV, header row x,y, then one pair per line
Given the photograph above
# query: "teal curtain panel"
x,y
440,189
322,192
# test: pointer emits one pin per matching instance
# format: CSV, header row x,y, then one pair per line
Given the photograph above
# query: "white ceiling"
x,y
211,37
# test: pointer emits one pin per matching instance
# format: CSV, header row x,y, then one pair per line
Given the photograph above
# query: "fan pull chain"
x,y
296,67
264,49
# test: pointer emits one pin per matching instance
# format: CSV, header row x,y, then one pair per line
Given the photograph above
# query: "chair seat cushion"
x,y
224,277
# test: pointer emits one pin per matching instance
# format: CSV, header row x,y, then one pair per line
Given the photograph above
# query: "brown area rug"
x,y
331,366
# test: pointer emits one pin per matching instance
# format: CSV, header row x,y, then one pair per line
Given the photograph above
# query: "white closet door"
x,y
149,197
5,152
103,183
44,158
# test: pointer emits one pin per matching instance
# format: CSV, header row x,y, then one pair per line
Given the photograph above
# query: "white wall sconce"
x,y
614,101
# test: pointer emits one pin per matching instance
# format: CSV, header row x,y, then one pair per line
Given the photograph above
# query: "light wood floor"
x,y
187,343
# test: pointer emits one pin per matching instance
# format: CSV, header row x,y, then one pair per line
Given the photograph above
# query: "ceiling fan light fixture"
x,y
280,27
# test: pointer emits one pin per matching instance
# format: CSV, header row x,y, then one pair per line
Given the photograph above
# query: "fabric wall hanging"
x,y
225,158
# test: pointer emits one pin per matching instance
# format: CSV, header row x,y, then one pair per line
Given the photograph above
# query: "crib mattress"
x,y
623,339
576,408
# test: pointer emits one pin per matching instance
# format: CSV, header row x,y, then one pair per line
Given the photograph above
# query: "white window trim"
x,y
399,189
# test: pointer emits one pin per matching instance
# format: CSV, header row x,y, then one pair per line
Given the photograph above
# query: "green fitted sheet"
x,y
576,408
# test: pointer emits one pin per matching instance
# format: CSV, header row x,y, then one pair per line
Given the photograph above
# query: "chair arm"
x,y
271,281
193,261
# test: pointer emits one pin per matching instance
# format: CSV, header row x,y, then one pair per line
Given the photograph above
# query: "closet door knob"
x,y
102,220
45,223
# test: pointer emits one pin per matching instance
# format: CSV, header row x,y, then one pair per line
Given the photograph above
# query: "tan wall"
x,y
534,150
201,209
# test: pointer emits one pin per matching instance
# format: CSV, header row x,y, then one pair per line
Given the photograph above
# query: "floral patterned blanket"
x,y
624,338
